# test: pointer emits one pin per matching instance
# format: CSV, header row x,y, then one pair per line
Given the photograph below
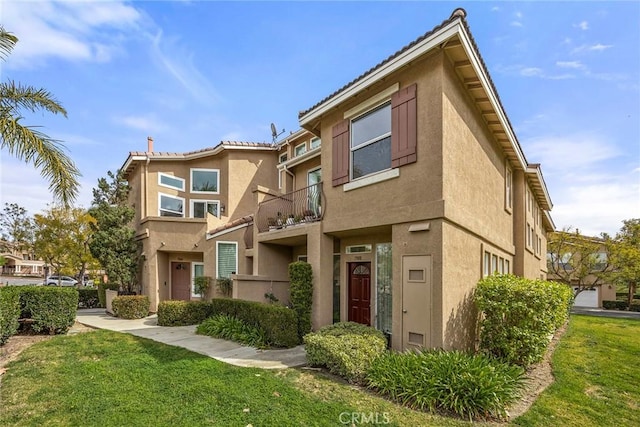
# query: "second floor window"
x,y
200,208
171,206
170,181
205,181
300,149
371,142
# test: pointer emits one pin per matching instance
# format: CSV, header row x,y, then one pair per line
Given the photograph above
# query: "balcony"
x,y
291,209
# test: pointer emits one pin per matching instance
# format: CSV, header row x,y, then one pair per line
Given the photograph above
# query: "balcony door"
x,y
314,177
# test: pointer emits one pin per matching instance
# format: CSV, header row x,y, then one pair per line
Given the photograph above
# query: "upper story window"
x,y
200,208
375,136
508,189
282,158
170,205
300,149
170,181
315,143
205,181
371,142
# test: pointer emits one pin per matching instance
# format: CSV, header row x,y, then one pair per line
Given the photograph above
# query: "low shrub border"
x,y
131,306
51,309
346,349
621,305
183,313
470,386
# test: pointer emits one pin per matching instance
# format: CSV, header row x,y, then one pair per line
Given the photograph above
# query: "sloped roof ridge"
x,y
457,13
204,150
236,222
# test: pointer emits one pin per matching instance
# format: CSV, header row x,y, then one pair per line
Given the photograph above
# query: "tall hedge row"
x,y
52,309
301,288
520,316
9,313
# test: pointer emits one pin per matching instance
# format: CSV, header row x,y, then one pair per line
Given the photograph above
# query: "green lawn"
x,y
597,371
105,378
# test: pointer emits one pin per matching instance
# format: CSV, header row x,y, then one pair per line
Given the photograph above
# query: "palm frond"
x,y
7,42
17,96
46,154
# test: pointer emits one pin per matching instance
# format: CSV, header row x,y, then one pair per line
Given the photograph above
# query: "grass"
x,y
105,378
597,372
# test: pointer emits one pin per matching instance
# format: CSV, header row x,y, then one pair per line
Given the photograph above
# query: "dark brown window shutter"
x,y
340,153
404,128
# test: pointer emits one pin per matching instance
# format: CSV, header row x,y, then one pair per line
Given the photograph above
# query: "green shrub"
x,y
9,313
225,286
131,306
52,309
201,285
88,298
183,313
278,322
345,349
615,305
102,296
231,328
301,288
520,316
471,386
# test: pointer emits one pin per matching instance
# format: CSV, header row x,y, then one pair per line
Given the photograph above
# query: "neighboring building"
x,y
20,262
402,190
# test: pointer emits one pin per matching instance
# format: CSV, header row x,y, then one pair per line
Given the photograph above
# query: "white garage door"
x,y
587,298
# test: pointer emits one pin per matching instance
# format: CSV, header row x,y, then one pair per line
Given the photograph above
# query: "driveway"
x,y
606,313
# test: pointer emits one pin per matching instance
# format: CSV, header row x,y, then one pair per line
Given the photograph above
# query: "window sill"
x,y
372,179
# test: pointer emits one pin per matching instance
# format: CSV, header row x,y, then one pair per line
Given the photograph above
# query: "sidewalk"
x,y
185,336
606,313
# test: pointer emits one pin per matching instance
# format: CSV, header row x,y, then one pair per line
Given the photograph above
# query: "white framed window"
x,y
315,143
371,142
494,264
300,149
282,157
205,181
226,259
486,264
170,181
170,205
358,249
199,208
529,236
508,188
197,270
303,258
507,266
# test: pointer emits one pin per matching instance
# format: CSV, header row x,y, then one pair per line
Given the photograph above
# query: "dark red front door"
x,y
360,292
180,281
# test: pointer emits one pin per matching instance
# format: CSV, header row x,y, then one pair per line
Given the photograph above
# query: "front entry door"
x,y
360,292
180,281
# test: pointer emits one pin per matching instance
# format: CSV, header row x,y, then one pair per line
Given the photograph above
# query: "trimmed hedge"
x,y
102,296
520,316
346,349
621,305
469,385
279,323
131,306
52,309
88,298
9,313
301,289
183,313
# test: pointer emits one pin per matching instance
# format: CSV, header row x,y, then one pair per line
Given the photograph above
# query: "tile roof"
x,y
236,222
222,144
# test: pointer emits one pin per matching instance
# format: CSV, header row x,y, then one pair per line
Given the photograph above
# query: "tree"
x,y
577,260
114,244
62,237
26,142
624,256
16,226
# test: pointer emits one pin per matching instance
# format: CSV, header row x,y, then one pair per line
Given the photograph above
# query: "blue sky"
x,y
193,73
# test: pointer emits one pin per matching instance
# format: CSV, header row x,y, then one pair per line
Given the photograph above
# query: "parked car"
x,y
61,280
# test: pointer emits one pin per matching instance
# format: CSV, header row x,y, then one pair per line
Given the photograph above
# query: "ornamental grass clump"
x,y
471,386
233,329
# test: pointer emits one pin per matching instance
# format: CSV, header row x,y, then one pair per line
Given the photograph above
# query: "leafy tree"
x,y
16,226
624,256
577,260
62,237
26,142
114,244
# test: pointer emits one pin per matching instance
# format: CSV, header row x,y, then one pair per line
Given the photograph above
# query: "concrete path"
x,y
606,313
185,336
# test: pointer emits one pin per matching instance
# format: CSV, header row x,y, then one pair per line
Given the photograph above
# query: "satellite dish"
x,y
274,132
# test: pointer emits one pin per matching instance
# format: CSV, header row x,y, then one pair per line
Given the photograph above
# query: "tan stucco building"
x,y
402,189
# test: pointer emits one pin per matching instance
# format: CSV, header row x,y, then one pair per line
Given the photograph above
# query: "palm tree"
x,y
26,142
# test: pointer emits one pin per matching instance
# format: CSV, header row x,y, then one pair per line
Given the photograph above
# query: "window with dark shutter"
x,y
404,138
340,153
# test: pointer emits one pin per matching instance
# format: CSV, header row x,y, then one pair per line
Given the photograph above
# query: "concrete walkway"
x,y
185,336
606,313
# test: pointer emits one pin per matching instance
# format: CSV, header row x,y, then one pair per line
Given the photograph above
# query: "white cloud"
x,y
570,64
69,30
598,47
573,153
584,25
148,123
531,72
516,24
